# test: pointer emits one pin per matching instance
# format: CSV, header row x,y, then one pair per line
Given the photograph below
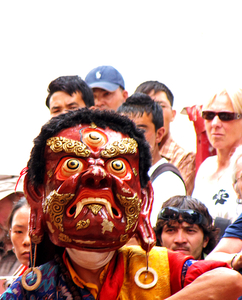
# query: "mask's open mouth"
x,y
104,200
95,201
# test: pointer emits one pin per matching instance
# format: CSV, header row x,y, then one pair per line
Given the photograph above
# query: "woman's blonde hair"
x,y
234,94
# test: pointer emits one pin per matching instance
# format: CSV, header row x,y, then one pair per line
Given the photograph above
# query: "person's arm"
x,y
228,249
217,284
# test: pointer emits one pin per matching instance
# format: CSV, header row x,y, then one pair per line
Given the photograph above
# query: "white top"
x,y
166,185
218,195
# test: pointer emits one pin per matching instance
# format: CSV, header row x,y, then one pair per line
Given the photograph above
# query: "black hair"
x,y
103,119
138,104
187,202
156,86
22,202
70,85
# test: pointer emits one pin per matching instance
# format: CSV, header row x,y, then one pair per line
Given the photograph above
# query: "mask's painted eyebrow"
x,y
124,146
59,144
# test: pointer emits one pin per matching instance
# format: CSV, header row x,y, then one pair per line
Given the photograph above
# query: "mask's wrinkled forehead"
x,y
82,140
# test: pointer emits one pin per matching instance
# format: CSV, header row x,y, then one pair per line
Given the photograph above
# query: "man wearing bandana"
x,y
89,193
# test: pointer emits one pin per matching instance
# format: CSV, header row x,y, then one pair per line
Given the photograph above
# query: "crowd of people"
x,y
116,209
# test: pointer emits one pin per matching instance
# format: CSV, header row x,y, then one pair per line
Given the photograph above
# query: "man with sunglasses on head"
x,y
185,225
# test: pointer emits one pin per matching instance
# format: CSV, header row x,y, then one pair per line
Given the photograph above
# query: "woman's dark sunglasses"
x,y
223,115
187,215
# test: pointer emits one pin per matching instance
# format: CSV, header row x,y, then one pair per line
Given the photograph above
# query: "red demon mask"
x,y
91,198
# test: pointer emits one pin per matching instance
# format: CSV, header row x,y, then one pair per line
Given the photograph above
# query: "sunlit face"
x,y
185,238
222,134
168,113
19,234
104,99
145,123
61,102
92,188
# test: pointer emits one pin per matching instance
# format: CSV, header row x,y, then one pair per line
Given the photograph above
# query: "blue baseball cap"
x,y
105,77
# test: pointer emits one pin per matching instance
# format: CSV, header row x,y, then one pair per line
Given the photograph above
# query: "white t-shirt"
x,y
166,185
218,195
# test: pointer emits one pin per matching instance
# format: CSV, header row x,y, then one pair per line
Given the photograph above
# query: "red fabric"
x,y
200,267
204,148
114,278
176,262
195,114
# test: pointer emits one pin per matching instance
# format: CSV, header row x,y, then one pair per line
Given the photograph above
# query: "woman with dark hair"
x,y
19,230
18,224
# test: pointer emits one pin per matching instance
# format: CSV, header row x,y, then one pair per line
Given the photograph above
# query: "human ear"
x,y
205,241
35,197
173,115
125,94
159,134
145,232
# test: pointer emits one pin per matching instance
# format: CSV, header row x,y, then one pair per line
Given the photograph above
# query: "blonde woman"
x,y
213,183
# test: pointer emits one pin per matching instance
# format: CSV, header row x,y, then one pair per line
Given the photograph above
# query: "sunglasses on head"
x,y
187,215
223,115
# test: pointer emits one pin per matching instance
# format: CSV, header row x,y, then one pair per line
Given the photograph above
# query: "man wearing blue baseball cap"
x,y
108,87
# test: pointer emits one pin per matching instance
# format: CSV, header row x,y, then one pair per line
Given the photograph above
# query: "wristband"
x,y
232,260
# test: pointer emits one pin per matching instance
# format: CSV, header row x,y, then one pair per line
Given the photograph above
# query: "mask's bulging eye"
x,y
69,167
94,138
72,164
117,167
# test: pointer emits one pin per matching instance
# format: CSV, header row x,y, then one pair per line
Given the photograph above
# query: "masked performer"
x,y
89,193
